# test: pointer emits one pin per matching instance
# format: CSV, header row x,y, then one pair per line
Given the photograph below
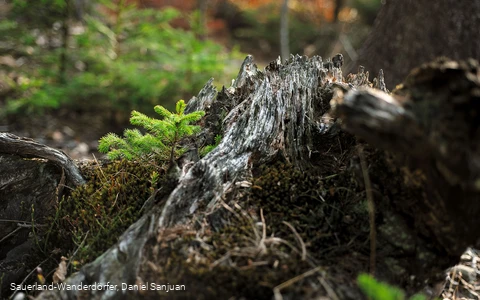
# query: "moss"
x,y
93,216
231,259
319,208
231,265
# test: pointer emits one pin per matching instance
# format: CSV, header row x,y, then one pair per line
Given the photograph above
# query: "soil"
x,y
76,133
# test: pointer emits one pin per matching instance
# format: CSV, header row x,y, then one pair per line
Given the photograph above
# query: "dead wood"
x,y
284,160
29,190
32,179
28,148
432,120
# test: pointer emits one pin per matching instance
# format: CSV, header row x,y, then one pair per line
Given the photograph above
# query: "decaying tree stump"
x,y
278,208
432,121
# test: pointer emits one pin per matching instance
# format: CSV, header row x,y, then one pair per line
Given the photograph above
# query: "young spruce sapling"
x,y
162,137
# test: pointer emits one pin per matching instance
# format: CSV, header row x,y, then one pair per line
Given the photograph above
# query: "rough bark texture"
x,y
263,116
433,121
32,179
407,34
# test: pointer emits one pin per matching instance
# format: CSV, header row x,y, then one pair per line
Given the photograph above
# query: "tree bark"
x,y
408,34
32,182
338,7
432,120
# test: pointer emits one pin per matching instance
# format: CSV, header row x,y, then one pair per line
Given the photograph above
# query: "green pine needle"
x,y
161,139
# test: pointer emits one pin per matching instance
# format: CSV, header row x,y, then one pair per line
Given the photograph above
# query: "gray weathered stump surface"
x,y
283,113
278,112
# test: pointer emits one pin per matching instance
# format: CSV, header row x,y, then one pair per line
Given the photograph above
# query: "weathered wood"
x,y
24,147
32,178
433,120
268,114
283,114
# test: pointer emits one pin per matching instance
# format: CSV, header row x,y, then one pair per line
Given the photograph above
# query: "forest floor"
x,y
77,134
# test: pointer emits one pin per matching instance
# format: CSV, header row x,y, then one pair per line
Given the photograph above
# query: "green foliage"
x,y
380,291
117,61
40,13
205,150
161,139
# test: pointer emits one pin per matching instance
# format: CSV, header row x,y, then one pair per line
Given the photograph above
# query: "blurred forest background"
x,y
72,70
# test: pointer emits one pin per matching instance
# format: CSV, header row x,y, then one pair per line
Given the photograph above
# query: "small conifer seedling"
x,y
160,141
205,150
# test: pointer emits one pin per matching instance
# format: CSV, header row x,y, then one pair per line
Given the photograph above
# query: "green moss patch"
x,y
93,216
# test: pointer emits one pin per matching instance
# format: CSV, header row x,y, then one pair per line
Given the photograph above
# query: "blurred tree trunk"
x,y
338,7
65,32
409,33
284,39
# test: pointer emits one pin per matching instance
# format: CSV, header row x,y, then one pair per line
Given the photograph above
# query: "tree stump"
x,y
279,208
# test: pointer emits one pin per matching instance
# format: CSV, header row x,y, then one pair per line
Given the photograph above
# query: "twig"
x,y
13,221
31,225
76,250
264,232
331,293
99,167
11,233
276,290
299,239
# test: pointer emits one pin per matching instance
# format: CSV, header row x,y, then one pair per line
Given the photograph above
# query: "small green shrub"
x,y
162,138
381,291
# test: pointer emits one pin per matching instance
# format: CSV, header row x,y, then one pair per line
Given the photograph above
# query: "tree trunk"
x,y
407,34
278,208
284,40
202,6
338,7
